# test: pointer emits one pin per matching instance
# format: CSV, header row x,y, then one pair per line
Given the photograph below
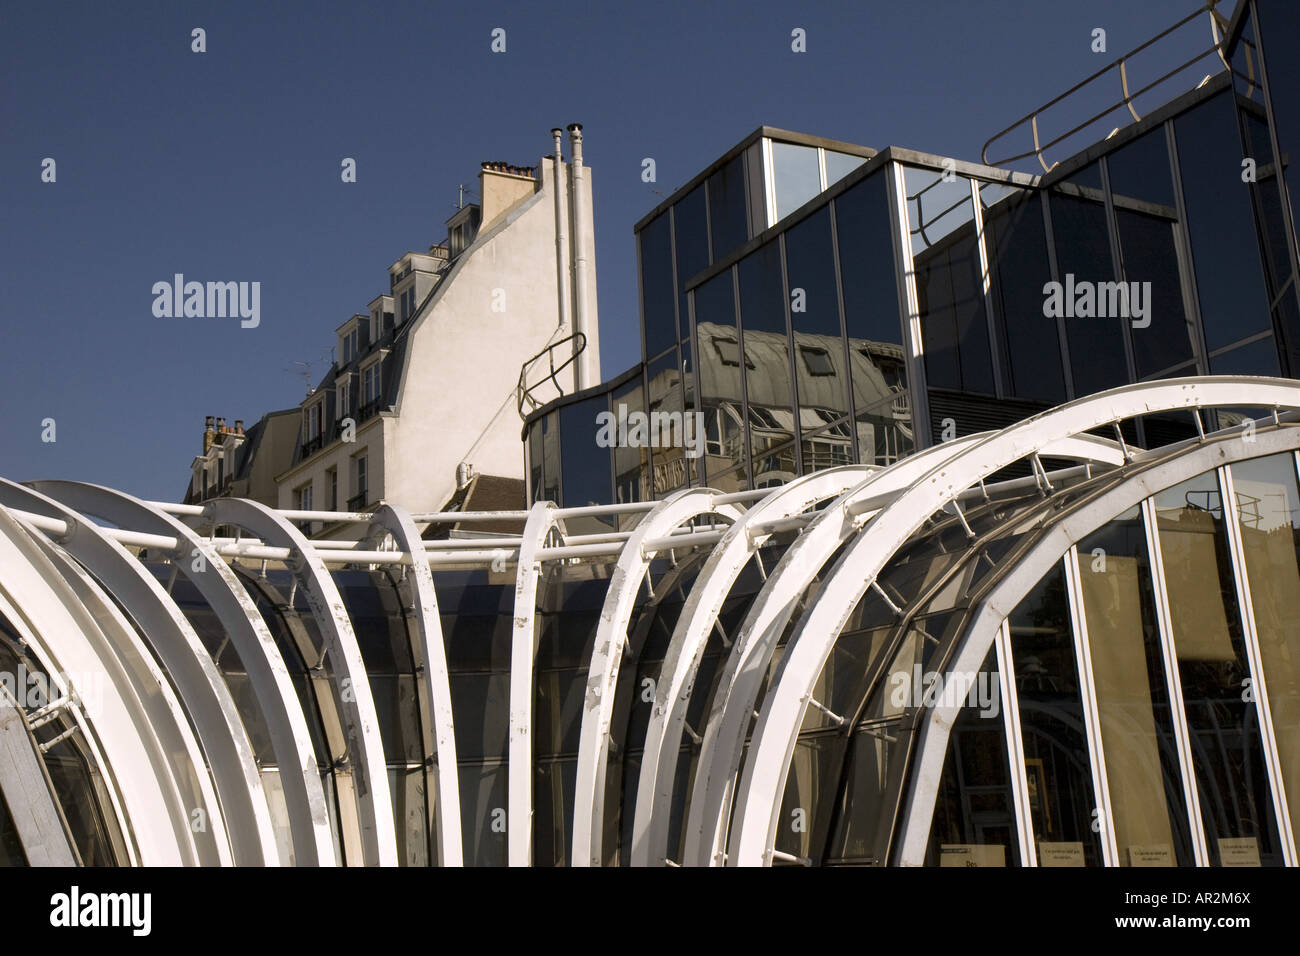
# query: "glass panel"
x,y
1225,250
1269,505
1018,270
658,294
728,219
1142,191
828,449
551,457
720,363
881,402
1236,808
949,286
585,465
820,369
775,466
1257,358
839,165
668,468
1137,730
534,460
796,174
974,816
691,230
767,372
1083,260
1062,802
631,459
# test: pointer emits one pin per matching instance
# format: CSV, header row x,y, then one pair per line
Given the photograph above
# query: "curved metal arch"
x,y
758,802
542,520
1029,569
373,802
201,687
67,641
746,667
300,778
430,657
690,636
607,657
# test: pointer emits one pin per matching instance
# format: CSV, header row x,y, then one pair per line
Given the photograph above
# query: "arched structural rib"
x,y
311,838
201,687
430,656
373,804
698,618
607,656
758,798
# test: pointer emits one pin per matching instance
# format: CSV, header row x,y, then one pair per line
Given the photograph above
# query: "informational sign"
x,y
972,854
1157,854
1239,851
1060,854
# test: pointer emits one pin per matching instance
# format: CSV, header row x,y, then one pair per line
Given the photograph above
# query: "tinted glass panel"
x,y
720,361
1257,358
728,219
585,465
767,373
1229,277
691,231
839,165
658,294
1083,260
820,369
1018,269
949,285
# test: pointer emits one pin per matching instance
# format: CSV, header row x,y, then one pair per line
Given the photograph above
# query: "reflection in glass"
x,y
1225,250
1137,732
585,466
1268,503
1018,270
1062,802
691,233
974,817
820,373
1231,779
728,218
767,371
631,461
881,402
658,293
949,285
796,174
718,346
668,468
1097,357
839,165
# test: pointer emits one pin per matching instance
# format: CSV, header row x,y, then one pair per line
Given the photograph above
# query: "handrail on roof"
x,y
526,391
1218,23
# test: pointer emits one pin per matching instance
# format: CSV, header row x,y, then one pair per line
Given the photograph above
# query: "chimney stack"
x,y
239,426
208,434
561,230
579,249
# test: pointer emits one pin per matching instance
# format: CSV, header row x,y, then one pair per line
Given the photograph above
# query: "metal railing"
x,y
526,391
1218,23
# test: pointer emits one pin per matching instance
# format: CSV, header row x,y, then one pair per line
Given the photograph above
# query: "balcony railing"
x,y
309,448
368,410
357,502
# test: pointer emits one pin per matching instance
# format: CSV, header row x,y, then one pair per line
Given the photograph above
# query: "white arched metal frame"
x,y
758,796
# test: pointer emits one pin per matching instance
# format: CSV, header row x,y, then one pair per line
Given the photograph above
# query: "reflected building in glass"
x,y
819,303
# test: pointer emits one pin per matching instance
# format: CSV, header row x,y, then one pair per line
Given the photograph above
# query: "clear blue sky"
x,y
225,166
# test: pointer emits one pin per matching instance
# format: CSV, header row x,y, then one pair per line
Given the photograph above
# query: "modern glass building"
x,y
950,583
887,301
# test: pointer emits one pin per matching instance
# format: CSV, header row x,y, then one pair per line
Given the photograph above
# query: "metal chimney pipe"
x,y
579,247
561,232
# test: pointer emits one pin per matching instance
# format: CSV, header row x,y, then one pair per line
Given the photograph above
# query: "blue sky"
x,y
225,166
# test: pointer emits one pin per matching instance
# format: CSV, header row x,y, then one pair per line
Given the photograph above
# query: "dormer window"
x,y
350,346
407,304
